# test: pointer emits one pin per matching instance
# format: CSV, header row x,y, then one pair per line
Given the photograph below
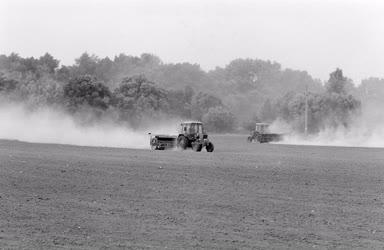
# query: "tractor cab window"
x,y
199,128
196,128
192,128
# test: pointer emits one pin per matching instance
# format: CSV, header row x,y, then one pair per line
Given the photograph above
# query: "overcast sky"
x,y
316,36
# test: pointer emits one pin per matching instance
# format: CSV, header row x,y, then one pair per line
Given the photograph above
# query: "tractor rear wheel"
x,y
154,144
210,147
197,147
182,142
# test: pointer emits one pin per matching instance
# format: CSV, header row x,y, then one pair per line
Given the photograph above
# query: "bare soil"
x,y
241,196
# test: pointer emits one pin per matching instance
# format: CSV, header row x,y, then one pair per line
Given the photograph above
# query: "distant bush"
x,y
201,104
86,91
219,119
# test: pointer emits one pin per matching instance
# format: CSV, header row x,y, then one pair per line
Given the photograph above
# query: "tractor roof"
x,y
188,122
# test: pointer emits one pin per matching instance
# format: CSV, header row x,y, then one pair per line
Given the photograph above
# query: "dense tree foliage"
x,y
86,91
133,88
332,108
202,103
245,84
136,97
6,84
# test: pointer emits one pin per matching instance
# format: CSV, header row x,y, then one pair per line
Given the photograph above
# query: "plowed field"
x,y
241,196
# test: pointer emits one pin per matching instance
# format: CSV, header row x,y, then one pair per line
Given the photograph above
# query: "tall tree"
x,y
337,82
48,63
86,64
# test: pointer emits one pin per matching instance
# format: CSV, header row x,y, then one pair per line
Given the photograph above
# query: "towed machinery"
x,y
262,134
191,135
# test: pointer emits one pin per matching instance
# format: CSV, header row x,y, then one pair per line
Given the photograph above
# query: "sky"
x,y
311,35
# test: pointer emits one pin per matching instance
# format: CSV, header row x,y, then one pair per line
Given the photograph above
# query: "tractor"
x,y
262,134
191,135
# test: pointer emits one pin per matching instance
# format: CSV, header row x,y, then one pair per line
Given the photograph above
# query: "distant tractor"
x,y
191,135
262,134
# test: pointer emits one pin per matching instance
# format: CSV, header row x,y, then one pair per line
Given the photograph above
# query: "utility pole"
x,y
306,112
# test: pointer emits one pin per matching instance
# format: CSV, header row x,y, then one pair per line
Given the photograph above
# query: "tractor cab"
x,y
193,129
262,128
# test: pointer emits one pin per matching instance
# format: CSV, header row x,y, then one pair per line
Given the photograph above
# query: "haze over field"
x,y
365,129
52,126
46,125
361,133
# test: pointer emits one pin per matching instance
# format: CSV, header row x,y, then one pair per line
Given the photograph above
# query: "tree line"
x,y
135,89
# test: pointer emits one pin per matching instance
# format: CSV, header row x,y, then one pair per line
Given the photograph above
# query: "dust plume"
x,y
365,130
47,125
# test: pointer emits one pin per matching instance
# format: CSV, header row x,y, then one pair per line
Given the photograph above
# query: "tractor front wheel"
x,y
197,147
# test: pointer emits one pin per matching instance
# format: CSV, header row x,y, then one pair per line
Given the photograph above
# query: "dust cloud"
x,y
52,126
366,130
